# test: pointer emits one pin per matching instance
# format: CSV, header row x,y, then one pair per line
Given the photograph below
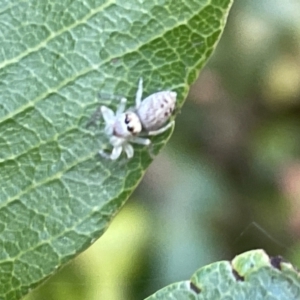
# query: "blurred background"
x,y
227,182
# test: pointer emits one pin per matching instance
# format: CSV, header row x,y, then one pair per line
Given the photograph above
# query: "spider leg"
x,y
128,150
108,114
145,142
138,98
141,141
116,152
96,115
121,106
104,154
161,130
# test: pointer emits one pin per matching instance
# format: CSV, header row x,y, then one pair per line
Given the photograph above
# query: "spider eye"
x,y
129,128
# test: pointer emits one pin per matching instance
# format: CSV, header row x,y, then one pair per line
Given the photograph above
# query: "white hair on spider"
x,y
149,116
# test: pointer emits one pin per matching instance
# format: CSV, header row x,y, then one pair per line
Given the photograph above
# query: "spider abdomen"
x,y
156,109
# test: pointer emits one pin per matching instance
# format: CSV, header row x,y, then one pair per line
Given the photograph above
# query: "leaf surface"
x,y
251,275
57,195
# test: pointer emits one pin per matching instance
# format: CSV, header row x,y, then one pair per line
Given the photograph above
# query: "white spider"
x,y
148,116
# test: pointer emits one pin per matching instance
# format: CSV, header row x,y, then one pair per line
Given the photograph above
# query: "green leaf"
x,y
251,275
57,195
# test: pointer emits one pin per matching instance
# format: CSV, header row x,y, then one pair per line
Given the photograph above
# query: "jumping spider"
x,y
148,116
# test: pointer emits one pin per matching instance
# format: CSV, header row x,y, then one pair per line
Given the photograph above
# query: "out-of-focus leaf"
x,y
57,196
251,275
